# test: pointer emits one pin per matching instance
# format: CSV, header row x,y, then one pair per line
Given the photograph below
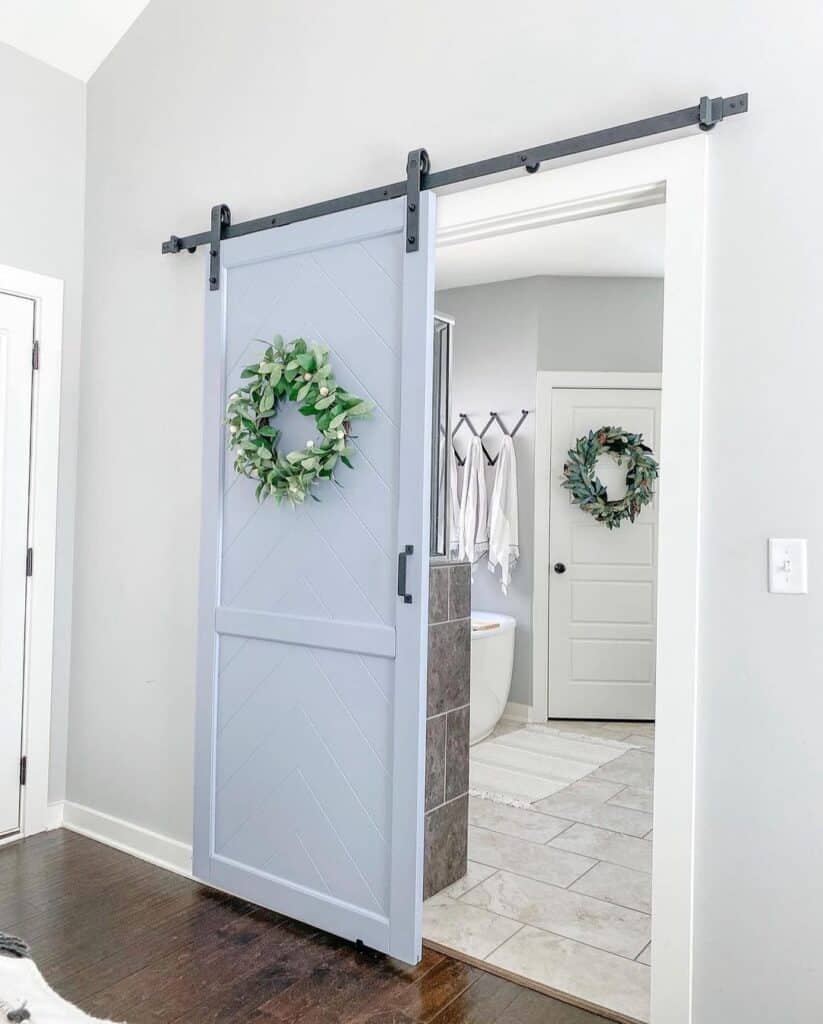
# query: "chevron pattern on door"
x,y
342,548
314,799
309,745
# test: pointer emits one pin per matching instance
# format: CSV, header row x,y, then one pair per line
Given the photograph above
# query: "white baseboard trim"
x,y
130,838
54,815
517,712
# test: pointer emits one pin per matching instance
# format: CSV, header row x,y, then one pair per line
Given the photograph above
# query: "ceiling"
x,y
624,244
75,36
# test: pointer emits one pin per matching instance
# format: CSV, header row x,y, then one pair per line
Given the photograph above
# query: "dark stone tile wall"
x,y
447,725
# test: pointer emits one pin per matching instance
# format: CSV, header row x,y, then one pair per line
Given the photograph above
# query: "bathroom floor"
x,y
559,876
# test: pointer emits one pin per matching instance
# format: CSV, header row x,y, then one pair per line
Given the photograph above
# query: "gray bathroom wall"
x,y
600,323
504,333
494,365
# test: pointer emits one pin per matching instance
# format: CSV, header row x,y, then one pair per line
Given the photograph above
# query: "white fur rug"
x,y
22,985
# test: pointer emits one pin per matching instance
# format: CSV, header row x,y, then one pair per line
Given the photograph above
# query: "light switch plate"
x,y
788,571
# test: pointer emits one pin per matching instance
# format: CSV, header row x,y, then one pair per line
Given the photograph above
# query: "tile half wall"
x,y
447,725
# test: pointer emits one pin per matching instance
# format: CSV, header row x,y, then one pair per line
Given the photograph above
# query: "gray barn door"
x,y
311,690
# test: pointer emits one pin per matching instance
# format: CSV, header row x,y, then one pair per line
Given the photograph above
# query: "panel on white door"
x,y
602,627
16,339
311,701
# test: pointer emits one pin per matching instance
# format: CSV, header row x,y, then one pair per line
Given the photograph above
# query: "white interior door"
x,y
311,699
602,605
16,339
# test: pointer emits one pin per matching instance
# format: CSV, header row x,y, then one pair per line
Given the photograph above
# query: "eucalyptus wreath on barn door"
x,y
291,372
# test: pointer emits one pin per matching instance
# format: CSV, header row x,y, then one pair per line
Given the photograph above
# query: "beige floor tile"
x,y
600,844
464,928
505,726
616,884
630,728
514,821
601,978
616,929
646,956
522,857
595,790
475,874
638,740
575,804
634,768
637,799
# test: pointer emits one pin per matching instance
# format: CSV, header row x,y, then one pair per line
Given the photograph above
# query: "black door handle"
x,y
559,568
402,558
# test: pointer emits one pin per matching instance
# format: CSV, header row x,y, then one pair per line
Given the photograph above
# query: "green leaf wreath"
x,y
589,493
293,372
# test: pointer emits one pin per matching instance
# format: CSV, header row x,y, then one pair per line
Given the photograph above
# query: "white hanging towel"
x,y
474,519
504,549
454,503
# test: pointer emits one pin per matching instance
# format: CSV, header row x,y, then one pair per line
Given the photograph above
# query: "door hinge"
x,y
35,356
29,561
24,762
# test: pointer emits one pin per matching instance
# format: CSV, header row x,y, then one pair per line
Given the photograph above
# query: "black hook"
x,y
464,420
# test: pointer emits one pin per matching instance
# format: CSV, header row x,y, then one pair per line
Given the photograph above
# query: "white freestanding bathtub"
x,y
492,657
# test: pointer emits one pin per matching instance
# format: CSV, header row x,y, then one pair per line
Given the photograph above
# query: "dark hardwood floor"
x,y
129,941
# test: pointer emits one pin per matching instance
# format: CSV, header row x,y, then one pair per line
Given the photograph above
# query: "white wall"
x,y
504,333
42,167
268,105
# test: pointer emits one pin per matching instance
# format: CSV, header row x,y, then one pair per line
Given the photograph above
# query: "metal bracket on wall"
x,y
220,220
714,110
416,166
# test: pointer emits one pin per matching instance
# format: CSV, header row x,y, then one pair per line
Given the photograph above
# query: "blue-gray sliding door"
x,y
311,675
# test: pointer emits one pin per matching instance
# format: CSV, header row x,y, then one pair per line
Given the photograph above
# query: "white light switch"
x,y
788,572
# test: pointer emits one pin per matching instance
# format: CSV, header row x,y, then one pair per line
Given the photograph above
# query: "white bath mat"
x,y
526,765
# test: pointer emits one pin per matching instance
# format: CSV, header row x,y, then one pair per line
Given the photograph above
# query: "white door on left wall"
x,y
16,341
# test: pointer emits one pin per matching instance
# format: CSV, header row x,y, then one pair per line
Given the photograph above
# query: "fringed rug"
x,y
24,994
521,766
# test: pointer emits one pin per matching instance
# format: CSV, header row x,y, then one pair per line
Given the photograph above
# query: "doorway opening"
x,y
557,326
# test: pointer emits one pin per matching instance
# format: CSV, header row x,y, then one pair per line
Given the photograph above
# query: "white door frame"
x,y
518,204
47,293
547,382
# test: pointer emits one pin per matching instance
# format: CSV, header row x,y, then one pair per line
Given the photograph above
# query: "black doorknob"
x,y
559,567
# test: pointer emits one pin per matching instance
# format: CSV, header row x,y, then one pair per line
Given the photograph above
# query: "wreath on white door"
x,y
590,494
293,372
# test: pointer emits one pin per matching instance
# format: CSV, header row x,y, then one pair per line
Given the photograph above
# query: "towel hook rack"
x,y
494,417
